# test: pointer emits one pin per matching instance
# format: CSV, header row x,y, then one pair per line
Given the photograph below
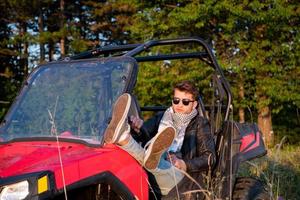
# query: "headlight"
x,y
16,191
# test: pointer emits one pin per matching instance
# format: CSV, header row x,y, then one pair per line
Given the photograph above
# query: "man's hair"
x,y
187,86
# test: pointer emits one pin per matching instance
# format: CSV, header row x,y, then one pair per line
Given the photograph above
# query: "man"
x,y
180,132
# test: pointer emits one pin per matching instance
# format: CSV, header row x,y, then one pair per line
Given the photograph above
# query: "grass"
x,y
279,169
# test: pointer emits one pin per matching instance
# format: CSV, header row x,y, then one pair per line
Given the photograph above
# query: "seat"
x,y
135,107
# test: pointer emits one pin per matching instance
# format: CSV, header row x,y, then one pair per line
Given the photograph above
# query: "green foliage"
x,y
109,20
9,79
256,42
156,79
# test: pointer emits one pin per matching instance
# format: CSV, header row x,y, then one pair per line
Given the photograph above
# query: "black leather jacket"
x,y
198,149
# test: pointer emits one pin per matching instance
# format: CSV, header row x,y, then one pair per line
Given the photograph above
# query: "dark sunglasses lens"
x,y
176,101
185,102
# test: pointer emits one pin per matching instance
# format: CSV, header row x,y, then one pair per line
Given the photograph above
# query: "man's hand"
x,y
136,123
179,163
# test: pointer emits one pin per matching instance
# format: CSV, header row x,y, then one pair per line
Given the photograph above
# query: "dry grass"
x,y
280,170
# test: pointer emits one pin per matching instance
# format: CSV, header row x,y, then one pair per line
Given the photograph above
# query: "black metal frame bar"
x,y
201,55
105,50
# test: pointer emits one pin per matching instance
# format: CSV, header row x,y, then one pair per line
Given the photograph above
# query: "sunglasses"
x,y
185,102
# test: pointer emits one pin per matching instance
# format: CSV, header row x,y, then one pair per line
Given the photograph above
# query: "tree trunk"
x,y
62,47
41,30
241,97
26,71
23,50
51,50
62,24
265,124
241,115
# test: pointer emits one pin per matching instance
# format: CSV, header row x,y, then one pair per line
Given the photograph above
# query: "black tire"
x,y
250,189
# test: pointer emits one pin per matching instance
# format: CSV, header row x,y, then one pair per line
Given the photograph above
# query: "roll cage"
x,y
219,83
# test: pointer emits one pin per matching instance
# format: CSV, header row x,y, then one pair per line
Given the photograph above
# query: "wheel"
x,y
92,192
250,189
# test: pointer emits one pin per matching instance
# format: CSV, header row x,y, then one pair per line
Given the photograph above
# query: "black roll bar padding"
x,y
201,42
202,55
104,50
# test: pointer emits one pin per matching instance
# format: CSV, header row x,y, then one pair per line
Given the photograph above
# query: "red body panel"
x,y
78,160
247,140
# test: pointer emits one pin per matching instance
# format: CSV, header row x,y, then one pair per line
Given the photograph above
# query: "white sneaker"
x,y
118,124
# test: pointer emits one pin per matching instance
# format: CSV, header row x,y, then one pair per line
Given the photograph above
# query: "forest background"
x,y
258,42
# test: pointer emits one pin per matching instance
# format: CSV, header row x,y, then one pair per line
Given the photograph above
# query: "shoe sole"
x,y
119,115
158,147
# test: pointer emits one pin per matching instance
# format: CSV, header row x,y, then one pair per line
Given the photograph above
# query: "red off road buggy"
x,y
51,140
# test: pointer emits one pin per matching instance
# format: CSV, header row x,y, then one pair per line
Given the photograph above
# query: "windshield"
x,y
69,99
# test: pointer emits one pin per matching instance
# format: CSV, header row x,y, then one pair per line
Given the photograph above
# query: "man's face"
x,y
180,107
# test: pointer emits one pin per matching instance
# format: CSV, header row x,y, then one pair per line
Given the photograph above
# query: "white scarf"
x,y
180,122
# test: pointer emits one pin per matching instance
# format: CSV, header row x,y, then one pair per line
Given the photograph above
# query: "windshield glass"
x,y
68,99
